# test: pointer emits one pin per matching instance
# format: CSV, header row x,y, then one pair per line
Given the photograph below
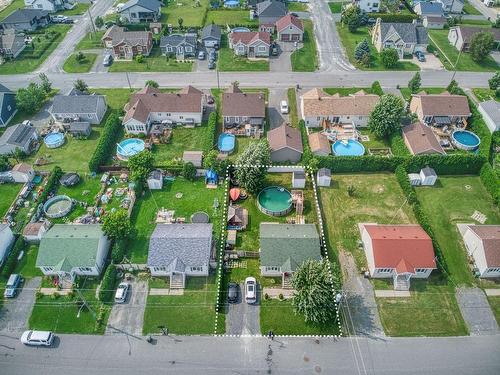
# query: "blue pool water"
x,y
54,140
226,142
465,140
129,147
231,3
351,148
240,30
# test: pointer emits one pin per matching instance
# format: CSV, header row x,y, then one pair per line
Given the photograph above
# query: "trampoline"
x,y
54,140
200,217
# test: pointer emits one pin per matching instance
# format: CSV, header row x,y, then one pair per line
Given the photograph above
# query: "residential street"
x,y
487,12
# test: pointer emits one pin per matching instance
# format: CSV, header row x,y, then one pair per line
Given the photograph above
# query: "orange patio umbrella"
x,y
234,193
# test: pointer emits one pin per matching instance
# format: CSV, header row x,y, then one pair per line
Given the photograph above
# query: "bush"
x,y
404,182
388,17
398,146
211,134
118,251
377,89
457,164
11,262
491,181
108,284
106,144
52,183
368,163
189,171
389,57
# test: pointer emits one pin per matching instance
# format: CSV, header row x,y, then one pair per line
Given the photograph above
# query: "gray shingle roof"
x,y
189,243
430,8
271,8
76,104
4,89
175,40
408,32
152,5
24,15
80,126
211,31
17,135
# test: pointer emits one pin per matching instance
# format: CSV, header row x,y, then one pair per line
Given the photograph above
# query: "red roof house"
x,y
290,29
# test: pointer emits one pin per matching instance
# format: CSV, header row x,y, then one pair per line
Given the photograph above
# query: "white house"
x,y
491,114
33,232
140,11
369,6
400,252
6,240
22,173
483,246
78,108
50,6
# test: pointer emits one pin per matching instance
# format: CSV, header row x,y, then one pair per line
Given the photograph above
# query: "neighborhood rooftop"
x,y
17,135
76,104
444,104
238,103
317,102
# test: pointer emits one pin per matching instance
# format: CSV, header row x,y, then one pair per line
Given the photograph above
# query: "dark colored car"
x,y
420,56
211,65
210,99
232,293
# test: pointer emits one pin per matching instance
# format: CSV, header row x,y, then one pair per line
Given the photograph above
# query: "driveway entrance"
x,y
242,318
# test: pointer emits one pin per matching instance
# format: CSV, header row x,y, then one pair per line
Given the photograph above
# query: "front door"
x,y
251,51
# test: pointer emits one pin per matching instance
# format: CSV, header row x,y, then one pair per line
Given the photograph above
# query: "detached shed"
x,y
324,177
428,176
194,157
299,179
155,180
80,129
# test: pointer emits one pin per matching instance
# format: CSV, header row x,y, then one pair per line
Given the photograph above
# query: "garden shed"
x,y
324,177
299,179
155,180
428,176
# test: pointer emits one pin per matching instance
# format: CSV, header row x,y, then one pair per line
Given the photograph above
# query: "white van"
x,y
37,338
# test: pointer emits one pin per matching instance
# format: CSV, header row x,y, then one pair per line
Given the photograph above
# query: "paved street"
x,y
490,13
128,317
242,318
476,311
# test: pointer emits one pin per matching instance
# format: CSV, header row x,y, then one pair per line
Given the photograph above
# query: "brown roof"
x,y
23,168
238,103
149,99
194,157
318,103
32,229
421,139
249,37
288,20
285,136
490,235
118,34
467,32
435,19
319,143
403,247
443,104
237,215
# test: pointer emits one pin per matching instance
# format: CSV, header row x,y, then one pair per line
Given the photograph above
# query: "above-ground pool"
x,y
129,147
349,148
231,4
54,140
58,206
240,30
465,140
275,201
226,143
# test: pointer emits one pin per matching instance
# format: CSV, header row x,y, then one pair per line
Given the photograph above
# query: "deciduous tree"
x,y
386,117
252,166
389,57
481,45
116,224
30,99
140,165
414,83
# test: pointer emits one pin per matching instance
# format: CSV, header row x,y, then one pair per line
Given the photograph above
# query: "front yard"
x,y
72,65
228,62
485,94
90,41
155,62
495,306
225,17
77,10
305,59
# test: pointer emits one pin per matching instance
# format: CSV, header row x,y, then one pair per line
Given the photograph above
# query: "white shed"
x,y
428,176
33,232
23,172
155,180
299,179
6,240
324,177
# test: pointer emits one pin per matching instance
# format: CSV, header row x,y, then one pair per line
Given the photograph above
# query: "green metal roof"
x,y
69,245
288,245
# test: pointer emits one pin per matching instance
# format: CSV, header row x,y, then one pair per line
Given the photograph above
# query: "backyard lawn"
x,y
193,313
72,65
351,40
90,41
115,98
8,192
453,200
449,54
377,199
305,59
229,62
155,62
485,94
225,17
191,15
195,197
85,191
26,266
183,139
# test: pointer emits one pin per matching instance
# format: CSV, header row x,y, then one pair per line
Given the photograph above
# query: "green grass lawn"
x,y
115,98
225,17
26,266
292,106
432,310
77,10
71,65
90,41
16,4
85,191
377,199
155,62
183,139
469,9
374,142
297,7
8,192
305,59
351,40
195,197
478,23
190,314
32,57
191,15
406,92
495,306
345,91
72,156
485,94
229,62
335,7
453,200
449,54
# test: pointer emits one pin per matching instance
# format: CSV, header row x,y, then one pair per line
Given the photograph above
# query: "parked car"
x,y
212,55
108,59
420,56
211,65
284,107
13,285
68,20
274,49
250,290
122,292
201,55
232,293
59,19
37,338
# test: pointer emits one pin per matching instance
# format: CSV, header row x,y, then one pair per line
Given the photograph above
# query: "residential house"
x,y
270,11
140,11
434,22
290,29
406,38
461,36
253,3
20,136
483,246
79,108
127,44
181,46
369,6
33,232
11,44
285,143
428,8
250,43
22,173
151,110
317,106
440,109
319,144
420,139
80,128
452,6
8,106
6,241
284,247
243,110
70,250
195,157
211,36
180,250
26,20
491,114
50,6
400,252
237,217
267,28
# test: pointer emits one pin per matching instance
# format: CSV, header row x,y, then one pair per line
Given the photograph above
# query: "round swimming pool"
x,y
275,201
240,30
129,147
226,143
231,4
465,140
348,148
58,206
54,140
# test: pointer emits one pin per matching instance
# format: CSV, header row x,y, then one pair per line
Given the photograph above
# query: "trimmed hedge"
x,y
307,154
491,181
108,284
456,164
211,136
106,143
52,183
11,262
389,17
398,146
367,163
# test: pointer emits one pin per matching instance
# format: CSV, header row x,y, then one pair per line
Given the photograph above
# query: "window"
x,y
160,269
421,270
196,269
407,45
261,48
273,269
169,49
48,269
85,269
497,269
133,15
189,49
384,270
139,48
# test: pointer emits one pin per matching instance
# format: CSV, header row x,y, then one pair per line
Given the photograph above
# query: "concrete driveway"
x,y
476,311
282,62
242,318
273,110
15,312
128,317
431,62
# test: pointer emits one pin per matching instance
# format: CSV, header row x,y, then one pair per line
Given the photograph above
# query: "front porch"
x,y
401,281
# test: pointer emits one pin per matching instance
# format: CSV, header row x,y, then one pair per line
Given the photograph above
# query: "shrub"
x,y
351,190
52,183
118,251
106,143
189,171
388,17
211,133
55,295
491,181
11,262
377,89
398,146
108,284
389,57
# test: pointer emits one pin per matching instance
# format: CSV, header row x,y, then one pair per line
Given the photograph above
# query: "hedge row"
x,y
409,191
388,17
367,163
11,262
108,284
307,155
478,126
491,181
398,146
455,164
210,138
52,183
106,143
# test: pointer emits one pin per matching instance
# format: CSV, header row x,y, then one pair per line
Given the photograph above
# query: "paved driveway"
x,y
275,116
431,62
242,318
282,62
14,313
476,311
128,317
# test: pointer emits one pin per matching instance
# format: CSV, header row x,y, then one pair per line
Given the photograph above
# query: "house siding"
x,y
139,14
291,34
285,154
315,121
6,240
8,107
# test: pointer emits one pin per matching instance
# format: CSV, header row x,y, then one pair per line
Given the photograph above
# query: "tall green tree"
x,y
189,171
30,99
362,50
481,44
385,118
81,86
414,83
494,82
45,84
140,165
252,166
351,16
389,57
116,225
151,83
99,22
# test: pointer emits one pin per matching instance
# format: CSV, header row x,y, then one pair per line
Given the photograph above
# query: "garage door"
x,y
285,37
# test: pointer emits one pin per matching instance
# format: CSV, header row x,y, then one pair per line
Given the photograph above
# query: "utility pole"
x,y
456,63
128,80
90,16
217,72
